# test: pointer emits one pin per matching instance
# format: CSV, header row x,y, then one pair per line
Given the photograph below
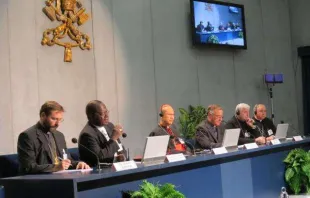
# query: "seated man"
x,y
210,132
41,147
248,132
221,27
100,136
264,124
166,127
209,27
200,27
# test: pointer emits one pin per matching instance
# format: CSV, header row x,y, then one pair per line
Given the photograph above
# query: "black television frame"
x,y
193,27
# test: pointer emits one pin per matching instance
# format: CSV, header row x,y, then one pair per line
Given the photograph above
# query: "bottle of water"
x,y
283,193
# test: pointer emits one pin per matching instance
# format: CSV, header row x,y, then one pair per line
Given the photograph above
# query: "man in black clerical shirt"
x,y
41,148
210,132
264,124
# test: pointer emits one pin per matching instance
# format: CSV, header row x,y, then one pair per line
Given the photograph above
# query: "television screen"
x,y
218,23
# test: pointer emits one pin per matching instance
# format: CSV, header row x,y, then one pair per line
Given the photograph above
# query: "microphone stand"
x,y
271,101
193,148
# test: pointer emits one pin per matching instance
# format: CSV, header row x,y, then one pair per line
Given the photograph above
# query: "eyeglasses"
x,y
57,119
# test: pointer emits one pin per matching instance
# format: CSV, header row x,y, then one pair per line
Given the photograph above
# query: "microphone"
x,y
191,145
124,135
128,158
74,141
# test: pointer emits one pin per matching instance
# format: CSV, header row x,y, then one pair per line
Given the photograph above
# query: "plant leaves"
x,y
295,184
289,173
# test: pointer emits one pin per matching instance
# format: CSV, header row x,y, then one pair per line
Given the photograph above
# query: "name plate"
x,y
127,165
175,157
251,146
220,150
275,142
297,138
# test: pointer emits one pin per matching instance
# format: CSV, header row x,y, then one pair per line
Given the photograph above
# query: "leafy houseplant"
x,y
213,39
297,174
149,190
190,119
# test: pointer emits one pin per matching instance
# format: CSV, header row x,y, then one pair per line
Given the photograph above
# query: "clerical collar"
x,y
258,119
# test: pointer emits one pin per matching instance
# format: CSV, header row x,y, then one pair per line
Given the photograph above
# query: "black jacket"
x,y
206,139
34,154
95,141
234,123
265,125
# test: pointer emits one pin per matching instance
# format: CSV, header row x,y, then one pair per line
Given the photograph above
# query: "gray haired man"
x,y
248,131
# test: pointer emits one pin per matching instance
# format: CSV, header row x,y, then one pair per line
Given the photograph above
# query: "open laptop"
x,y
281,132
230,140
155,150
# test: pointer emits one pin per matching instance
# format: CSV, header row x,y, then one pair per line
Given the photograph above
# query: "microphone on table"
x,y
74,141
192,147
294,129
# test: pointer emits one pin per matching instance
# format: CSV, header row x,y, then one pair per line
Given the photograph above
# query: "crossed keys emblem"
x,y
71,14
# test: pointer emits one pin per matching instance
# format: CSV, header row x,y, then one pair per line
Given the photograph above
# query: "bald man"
x,y
166,127
264,124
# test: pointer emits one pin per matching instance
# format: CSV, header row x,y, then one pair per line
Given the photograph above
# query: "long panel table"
x,y
255,173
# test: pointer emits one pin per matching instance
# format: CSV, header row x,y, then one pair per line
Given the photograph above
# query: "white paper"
x,y
127,165
73,170
219,150
275,142
297,138
175,157
251,145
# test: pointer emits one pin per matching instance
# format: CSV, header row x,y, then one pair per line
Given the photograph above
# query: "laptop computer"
x,y
230,140
281,132
155,150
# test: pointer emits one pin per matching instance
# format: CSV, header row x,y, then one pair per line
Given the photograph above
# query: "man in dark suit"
x,y
249,133
264,124
165,127
100,136
210,132
200,27
41,148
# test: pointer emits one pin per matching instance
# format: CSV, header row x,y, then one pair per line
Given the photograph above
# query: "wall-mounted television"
x,y
218,24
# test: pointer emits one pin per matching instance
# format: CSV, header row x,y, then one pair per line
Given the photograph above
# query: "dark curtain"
x,y
304,54
306,91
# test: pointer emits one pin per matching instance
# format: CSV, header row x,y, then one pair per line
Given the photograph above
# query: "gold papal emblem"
x,y
71,14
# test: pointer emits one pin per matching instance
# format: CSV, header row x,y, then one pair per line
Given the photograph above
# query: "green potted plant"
x,y
190,119
297,173
149,190
213,39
